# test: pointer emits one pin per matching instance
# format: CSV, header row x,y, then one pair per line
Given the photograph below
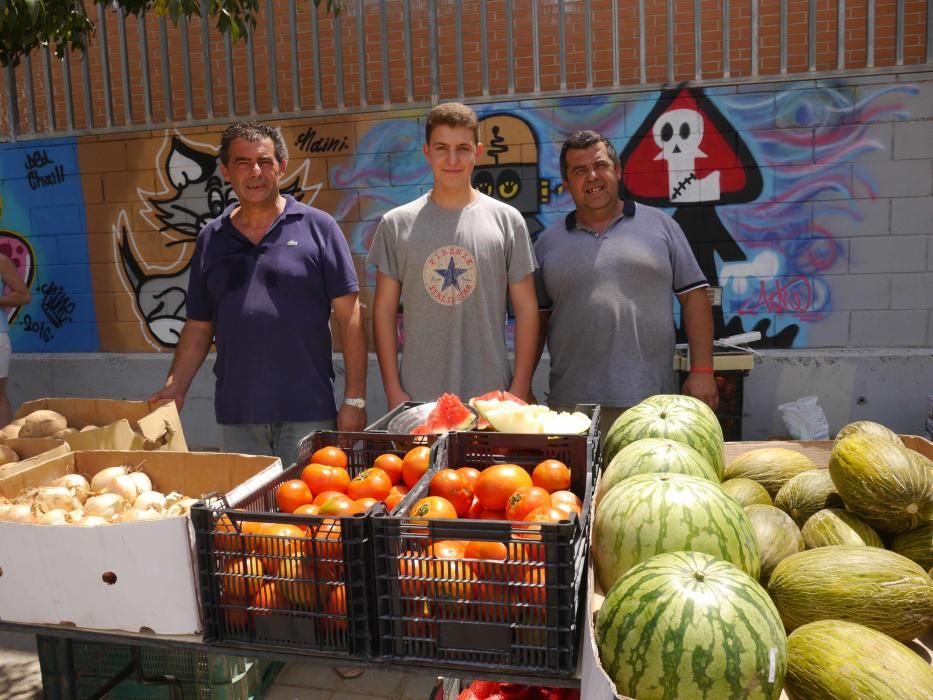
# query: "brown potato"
x,y
7,455
43,423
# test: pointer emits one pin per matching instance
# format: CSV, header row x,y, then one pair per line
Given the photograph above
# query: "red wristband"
x,y
708,370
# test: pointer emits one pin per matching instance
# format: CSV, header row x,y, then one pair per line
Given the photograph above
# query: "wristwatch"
x,y
356,403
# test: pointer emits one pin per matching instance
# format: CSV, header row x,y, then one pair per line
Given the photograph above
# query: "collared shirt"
x,y
270,305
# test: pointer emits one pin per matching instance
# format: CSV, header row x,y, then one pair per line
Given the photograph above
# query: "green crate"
x,y
169,673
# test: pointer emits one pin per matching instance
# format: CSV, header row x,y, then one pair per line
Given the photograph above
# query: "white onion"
x,y
74,517
77,483
122,485
143,482
150,500
53,517
20,513
105,505
172,498
183,506
134,515
101,479
92,521
55,498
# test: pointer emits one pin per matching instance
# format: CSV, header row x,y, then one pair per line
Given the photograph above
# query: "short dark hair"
x,y
584,139
452,114
252,132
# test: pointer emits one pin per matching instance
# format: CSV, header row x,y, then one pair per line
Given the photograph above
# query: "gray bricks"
x,y
870,217
860,292
887,254
912,215
901,178
831,332
913,139
889,328
913,291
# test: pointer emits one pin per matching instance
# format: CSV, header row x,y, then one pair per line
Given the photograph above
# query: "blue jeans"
x,y
276,439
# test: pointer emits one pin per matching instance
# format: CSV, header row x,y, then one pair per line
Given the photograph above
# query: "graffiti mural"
x,y
192,193
42,230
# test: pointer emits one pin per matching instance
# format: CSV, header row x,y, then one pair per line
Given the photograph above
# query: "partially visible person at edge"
x,y
454,256
264,276
15,294
608,273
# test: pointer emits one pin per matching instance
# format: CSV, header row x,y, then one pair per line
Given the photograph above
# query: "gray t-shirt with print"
x,y
611,331
455,266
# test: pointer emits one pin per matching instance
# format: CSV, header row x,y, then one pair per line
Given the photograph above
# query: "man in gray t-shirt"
x,y
453,257
607,277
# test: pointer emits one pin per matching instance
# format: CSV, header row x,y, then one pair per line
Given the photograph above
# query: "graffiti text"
x,y
40,328
56,304
795,296
38,178
310,142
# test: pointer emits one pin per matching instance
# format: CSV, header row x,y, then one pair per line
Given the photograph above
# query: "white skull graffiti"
x,y
678,134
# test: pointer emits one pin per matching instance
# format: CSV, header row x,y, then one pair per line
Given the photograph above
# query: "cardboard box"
x,y
31,451
127,576
595,684
122,425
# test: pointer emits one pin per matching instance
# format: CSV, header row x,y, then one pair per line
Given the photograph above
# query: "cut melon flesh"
x,y
511,417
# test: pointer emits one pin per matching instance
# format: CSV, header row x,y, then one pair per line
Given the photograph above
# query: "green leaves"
x,y
26,25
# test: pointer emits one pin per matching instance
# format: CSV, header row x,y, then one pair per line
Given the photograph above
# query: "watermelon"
x,y
648,514
654,455
832,526
867,427
688,625
865,585
916,545
482,423
747,491
448,414
777,534
818,652
807,493
882,482
772,467
681,418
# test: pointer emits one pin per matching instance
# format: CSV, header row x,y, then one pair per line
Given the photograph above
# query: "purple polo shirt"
x,y
270,305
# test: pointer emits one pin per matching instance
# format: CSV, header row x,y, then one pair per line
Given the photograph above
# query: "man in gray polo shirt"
x,y
606,282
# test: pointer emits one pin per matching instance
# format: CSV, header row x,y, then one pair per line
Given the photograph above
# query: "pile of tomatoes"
x,y
281,566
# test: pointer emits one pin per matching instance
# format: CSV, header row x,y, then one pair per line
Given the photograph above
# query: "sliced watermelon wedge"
x,y
449,414
499,395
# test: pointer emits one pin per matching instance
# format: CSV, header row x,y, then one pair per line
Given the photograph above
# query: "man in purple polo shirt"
x,y
263,279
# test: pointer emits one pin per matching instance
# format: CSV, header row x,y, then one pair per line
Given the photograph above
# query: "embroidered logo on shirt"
x,y
292,243
450,275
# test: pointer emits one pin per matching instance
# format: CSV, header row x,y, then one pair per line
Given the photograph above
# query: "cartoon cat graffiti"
x,y
193,193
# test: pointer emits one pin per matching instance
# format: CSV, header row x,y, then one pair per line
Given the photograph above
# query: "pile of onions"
x,y
117,494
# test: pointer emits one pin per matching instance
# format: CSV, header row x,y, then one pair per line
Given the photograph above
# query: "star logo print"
x,y
451,275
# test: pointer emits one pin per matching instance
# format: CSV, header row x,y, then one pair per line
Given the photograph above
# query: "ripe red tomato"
x,y
567,501
339,504
391,464
321,477
551,475
498,482
470,475
371,483
433,507
396,494
291,494
525,500
415,464
448,484
331,456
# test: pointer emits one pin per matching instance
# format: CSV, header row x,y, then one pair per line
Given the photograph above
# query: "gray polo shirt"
x,y
611,331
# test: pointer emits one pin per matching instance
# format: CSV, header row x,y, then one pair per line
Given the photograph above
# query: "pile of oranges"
x,y
269,567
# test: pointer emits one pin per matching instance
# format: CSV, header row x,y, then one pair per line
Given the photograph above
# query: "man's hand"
x,y
702,385
396,398
351,419
169,393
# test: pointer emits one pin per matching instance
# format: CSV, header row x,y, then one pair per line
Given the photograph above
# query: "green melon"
x,y
832,526
772,467
650,514
681,418
777,534
867,427
747,492
865,585
689,625
807,493
882,482
916,545
654,455
838,659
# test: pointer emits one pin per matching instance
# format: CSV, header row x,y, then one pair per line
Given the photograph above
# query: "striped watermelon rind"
x,y
651,456
689,625
649,514
865,585
681,418
777,534
807,493
882,482
747,491
772,467
883,670
834,526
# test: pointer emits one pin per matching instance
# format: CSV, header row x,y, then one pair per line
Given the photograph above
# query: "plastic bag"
x,y
805,419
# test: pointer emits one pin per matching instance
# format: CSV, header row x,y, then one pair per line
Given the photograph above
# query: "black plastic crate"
x,y
731,385
522,614
308,592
